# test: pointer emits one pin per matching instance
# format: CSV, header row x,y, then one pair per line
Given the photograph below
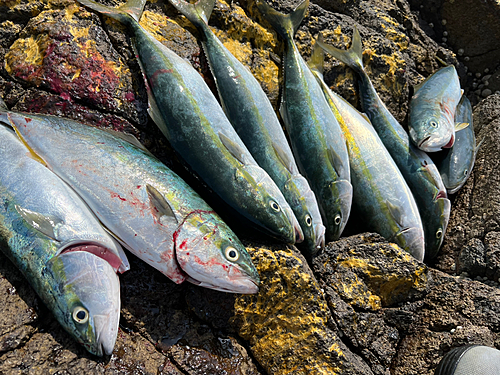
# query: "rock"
x,y
472,240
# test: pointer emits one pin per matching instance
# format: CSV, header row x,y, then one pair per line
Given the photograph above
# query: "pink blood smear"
x,y
113,260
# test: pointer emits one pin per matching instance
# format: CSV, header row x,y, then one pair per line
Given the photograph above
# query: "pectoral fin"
x,y
234,149
45,224
395,212
336,161
283,157
460,126
160,207
32,153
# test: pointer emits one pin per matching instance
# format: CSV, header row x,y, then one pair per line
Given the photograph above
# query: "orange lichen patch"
x,y
286,322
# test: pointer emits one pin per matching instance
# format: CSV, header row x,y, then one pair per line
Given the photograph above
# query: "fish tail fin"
x,y
317,56
285,24
197,12
132,8
352,57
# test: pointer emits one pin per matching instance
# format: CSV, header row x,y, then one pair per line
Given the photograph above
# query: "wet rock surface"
x,y
362,305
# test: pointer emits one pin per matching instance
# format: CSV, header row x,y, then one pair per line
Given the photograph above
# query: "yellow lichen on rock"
x,y
30,51
286,322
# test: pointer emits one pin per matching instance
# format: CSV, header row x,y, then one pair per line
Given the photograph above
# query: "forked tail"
x,y
132,8
352,57
285,24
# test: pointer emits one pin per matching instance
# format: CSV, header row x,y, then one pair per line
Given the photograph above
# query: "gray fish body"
x,y
53,238
380,193
153,212
194,123
315,135
456,166
418,169
253,117
432,110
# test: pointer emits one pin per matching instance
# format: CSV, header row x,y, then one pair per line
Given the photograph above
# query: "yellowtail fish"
x,y
150,209
317,140
49,233
381,196
418,169
431,117
253,117
190,117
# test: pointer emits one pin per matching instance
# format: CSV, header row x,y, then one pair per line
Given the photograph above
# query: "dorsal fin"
x,y
234,149
159,206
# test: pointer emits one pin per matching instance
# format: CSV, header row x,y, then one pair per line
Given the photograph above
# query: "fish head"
x,y
305,206
411,239
86,298
212,256
441,216
338,212
433,133
269,207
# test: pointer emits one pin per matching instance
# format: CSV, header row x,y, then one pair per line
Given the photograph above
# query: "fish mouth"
x,y
243,286
320,230
298,234
450,143
105,337
423,141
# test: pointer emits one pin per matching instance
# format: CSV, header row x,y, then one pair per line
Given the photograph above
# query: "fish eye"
x,y
337,219
275,206
433,123
232,254
465,172
308,220
439,233
80,315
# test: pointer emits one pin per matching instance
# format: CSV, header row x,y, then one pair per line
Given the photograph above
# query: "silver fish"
x,y
60,247
252,115
191,118
432,110
150,209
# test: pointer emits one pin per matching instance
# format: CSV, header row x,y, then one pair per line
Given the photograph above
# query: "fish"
x,y
315,135
381,197
58,244
432,110
418,169
253,117
190,117
456,163
146,206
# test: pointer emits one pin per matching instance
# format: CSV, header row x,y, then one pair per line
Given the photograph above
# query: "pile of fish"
x,y
70,192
